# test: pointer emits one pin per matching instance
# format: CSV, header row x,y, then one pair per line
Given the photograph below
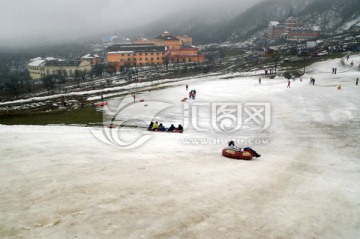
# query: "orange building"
x,y
186,54
179,48
146,52
135,55
290,30
168,40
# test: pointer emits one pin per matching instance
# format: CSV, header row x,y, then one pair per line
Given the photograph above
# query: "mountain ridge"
x,y
330,15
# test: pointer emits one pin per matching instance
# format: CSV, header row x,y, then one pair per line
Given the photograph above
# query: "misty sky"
x,y
26,19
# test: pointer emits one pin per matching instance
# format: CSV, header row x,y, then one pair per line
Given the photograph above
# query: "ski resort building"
x,y
290,30
163,49
41,67
185,55
120,55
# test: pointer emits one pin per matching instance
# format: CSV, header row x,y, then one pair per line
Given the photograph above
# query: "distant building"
x,y
301,33
163,49
290,30
121,55
92,58
165,39
290,23
185,54
170,41
41,67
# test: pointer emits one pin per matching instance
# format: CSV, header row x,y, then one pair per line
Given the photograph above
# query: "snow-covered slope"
x,y
67,182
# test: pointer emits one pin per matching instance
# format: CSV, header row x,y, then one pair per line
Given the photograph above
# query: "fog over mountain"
x,y
41,22
46,21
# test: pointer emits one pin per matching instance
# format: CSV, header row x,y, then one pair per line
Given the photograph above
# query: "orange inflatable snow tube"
x,y
246,155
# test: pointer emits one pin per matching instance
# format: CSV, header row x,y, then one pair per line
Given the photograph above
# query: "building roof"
x,y
36,58
135,47
184,55
51,61
120,52
37,62
61,63
274,23
90,56
167,37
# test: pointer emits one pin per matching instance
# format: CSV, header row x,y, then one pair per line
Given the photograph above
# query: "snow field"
x,y
67,182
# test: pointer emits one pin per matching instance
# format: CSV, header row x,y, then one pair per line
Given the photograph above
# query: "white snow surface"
x,y
71,182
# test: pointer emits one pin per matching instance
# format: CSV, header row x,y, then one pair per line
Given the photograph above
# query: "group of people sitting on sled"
x,y
159,127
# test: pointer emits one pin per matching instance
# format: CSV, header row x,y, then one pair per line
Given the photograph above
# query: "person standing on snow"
x,y
357,81
288,86
260,80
